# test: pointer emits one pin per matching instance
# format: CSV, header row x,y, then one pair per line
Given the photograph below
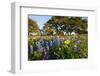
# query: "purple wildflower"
x,y
39,47
74,48
42,42
47,47
31,49
44,53
34,47
50,43
78,42
56,42
46,57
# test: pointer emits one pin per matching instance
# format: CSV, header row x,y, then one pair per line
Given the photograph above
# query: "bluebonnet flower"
x,y
50,43
53,42
56,42
31,49
47,47
34,47
39,46
42,42
74,48
46,57
46,42
44,52
78,42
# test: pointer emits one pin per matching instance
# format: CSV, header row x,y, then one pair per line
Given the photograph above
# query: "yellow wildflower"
x,y
67,42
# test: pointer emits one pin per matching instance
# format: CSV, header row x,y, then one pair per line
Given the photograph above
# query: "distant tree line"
x,y
60,24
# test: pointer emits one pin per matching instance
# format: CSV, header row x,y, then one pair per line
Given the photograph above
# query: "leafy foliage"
x,y
32,26
67,24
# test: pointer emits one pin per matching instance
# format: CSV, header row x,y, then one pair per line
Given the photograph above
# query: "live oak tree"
x,y
58,23
33,26
67,24
78,24
47,29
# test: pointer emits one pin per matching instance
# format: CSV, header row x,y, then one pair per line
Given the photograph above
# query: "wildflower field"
x,y
72,47
51,45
